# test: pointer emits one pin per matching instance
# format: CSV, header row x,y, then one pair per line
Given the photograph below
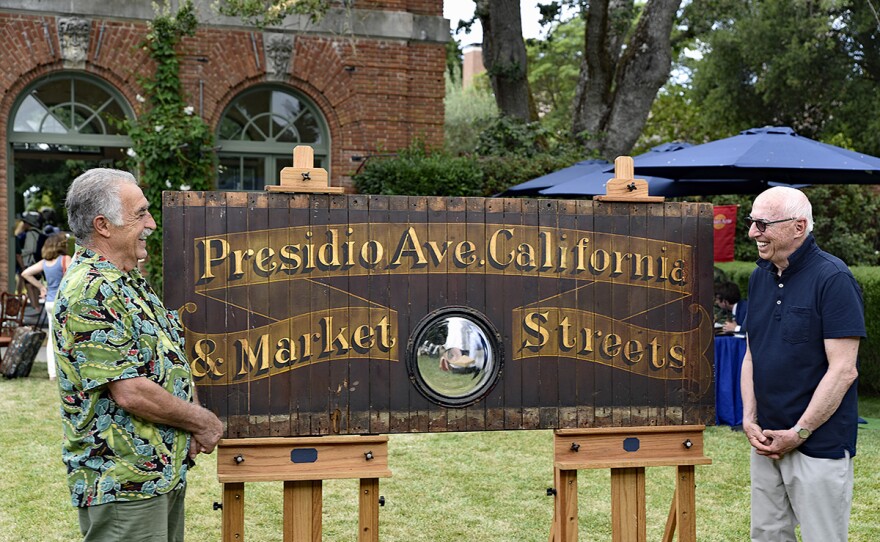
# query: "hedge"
x,y
869,350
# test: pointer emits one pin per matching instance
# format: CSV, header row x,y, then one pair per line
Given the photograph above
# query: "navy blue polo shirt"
x,y
815,298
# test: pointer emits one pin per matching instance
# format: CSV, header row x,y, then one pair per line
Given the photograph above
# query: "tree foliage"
x,y
263,13
814,66
554,65
469,111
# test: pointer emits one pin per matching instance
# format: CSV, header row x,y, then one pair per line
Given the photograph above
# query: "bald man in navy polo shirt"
x,y
800,409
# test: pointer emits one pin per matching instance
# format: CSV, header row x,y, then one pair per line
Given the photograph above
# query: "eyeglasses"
x,y
762,224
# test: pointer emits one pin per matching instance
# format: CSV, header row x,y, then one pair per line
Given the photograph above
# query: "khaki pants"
x,y
798,489
159,519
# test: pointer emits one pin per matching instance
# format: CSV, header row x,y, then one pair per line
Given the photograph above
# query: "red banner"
x,y
725,232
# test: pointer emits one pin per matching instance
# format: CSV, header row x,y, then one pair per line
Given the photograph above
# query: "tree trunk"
x,y
504,55
618,84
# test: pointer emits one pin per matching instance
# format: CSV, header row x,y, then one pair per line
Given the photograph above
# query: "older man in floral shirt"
x,y
131,420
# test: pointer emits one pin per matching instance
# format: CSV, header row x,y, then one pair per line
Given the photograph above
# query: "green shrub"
x,y
869,350
416,172
507,136
502,172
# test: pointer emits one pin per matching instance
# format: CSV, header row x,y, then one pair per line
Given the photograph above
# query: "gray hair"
x,y
799,207
94,193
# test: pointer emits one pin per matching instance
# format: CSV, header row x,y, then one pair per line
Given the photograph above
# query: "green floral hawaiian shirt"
x,y
110,325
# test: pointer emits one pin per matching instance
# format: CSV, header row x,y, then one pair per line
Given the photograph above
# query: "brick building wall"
x,y
376,74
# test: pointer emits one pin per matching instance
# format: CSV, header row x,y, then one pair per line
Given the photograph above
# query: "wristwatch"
x,y
802,432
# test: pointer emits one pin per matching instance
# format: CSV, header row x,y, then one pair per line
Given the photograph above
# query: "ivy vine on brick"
x,y
172,146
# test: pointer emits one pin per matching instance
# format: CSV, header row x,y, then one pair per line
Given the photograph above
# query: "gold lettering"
x,y
209,260
465,253
663,272
493,247
328,254
410,245
249,358
618,261
677,275
238,257
203,348
546,250
343,345
285,352
581,253
525,258
677,356
374,256
290,257
532,323
437,253
264,256
632,352
361,334
599,260
564,342
640,263
588,335
611,345
349,250
306,341
309,252
657,360
386,340
563,258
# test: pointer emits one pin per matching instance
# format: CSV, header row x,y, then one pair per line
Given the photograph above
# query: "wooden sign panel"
x,y
315,314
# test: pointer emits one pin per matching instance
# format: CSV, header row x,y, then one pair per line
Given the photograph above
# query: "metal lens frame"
x,y
454,357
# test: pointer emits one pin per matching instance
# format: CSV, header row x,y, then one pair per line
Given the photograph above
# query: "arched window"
x,y
69,113
257,134
61,125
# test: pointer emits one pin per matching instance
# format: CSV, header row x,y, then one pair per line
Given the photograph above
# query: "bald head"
x,y
789,202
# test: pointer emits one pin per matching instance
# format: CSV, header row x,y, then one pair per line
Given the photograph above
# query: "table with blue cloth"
x,y
729,353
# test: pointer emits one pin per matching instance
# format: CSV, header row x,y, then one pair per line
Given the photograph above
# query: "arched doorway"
x,y
61,125
257,134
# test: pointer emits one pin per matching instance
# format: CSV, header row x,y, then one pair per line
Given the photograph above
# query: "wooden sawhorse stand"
x,y
627,451
302,463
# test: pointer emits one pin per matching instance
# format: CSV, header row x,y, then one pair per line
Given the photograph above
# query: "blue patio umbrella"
x,y
576,171
770,154
572,177
594,185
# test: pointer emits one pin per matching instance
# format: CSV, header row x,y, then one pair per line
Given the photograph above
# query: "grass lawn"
x,y
488,487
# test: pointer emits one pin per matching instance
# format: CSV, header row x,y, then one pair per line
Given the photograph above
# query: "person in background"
x,y
53,265
727,296
800,408
18,236
132,422
31,246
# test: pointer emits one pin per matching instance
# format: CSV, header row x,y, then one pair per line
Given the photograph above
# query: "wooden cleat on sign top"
x,y
623,187
302,177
